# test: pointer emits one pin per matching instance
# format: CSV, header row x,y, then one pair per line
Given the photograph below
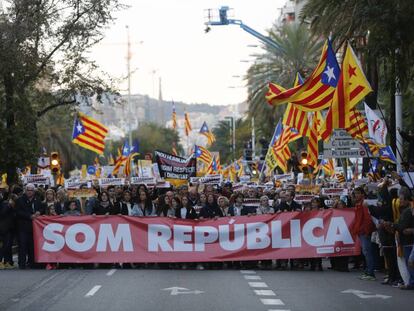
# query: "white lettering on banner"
x,y
86,231
182,234
338,231
308,234
158,236
55,240
203,235
106,235
49,233
277,240
224,237
257,235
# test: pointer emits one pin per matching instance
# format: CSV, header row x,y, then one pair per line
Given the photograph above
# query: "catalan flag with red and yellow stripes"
x,y
187,124
294,117
313,150
174,117
317,92
89,133
352,88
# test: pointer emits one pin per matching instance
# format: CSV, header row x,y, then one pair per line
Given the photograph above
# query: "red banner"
x,y
157,239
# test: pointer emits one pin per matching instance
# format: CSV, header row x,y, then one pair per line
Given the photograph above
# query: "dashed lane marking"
x,y
252,277
110,272
264,292
93,291
247,272
275,302
257,284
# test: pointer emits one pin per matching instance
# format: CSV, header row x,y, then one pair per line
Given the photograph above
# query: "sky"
x,y
168,41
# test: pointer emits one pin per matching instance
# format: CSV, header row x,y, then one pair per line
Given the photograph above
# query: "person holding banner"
x,y
185,211
144,206
103,206
50,205
28,207
6,234
223,204
210,210
126,204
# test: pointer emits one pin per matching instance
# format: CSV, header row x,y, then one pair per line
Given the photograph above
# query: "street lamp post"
x,y
233,136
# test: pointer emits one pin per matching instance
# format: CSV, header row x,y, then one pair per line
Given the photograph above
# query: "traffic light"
x,y
304,158
55,162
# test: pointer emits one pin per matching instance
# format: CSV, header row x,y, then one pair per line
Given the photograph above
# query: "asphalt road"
x,y
209,290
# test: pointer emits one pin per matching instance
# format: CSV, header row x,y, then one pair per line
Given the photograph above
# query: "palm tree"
x,y
299,52
382,33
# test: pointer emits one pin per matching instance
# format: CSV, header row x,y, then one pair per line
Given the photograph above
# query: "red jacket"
x,y
363,223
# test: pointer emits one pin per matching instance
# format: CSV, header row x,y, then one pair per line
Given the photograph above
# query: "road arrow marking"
x,y
363,294
182,291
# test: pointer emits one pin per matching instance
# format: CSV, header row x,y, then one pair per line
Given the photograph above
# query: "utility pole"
x,y
253,141
129,87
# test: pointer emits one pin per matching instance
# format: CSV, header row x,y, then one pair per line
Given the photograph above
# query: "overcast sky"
x,y
168,41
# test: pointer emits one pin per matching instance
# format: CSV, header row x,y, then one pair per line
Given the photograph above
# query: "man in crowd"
x,y
28,207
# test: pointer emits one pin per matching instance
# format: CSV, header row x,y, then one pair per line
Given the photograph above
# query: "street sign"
x,y
345,153
91,170
342,144
340,139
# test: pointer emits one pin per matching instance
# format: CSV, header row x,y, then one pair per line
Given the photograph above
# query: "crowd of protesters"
x,y
386,230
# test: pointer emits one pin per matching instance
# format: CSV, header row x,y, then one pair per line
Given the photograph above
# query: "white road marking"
x,y
264,292
364,295
276,302
278,310
182,291
93,291
252,277
248,272
110,272
257,284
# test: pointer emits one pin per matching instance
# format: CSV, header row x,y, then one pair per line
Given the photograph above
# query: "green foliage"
x,y
151,137
299,52
35,37
382,33
223,142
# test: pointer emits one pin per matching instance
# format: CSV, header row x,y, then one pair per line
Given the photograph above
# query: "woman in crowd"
x,y
223,204
61,201
50,205
144,206
126,204
264,207
211,209
72,209
185,211
103,206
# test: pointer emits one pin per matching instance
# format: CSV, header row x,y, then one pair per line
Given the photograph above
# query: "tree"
x,y
43,65
382,33
299,52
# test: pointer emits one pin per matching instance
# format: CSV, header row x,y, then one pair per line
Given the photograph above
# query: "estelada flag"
x,y
89,133
353,86
317,92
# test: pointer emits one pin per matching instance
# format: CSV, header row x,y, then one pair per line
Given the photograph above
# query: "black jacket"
x,y
284,207
101,210
25,208
211,211
6,217
191,213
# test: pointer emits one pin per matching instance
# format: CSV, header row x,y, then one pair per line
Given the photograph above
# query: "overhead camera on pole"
x,y
220,17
